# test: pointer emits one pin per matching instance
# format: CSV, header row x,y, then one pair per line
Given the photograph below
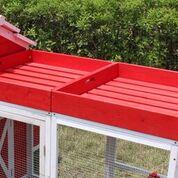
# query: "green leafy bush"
x,y
136,31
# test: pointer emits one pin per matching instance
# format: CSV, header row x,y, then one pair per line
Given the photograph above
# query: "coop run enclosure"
x,y
65,116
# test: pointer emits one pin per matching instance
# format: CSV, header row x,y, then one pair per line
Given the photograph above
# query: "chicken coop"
x,y
53,105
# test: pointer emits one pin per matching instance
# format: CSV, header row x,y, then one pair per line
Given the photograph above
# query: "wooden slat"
x,y
39,75
92,80
142,94
57,68
149,102
143,107
48,71
146,84
141,88
30,79
25,84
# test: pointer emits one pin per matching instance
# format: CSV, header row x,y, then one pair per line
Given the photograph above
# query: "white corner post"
x,y
173,162
34,117
54,147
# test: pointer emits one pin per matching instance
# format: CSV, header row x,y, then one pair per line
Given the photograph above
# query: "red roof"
x,y
129,96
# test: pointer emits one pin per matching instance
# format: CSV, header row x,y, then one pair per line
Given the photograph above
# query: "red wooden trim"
x,y
25,96
148,74
92,80
68,61
14,60
7,47
158,123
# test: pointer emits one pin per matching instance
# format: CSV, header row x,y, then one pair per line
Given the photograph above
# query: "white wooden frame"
x,y
48,123
34,117
114,132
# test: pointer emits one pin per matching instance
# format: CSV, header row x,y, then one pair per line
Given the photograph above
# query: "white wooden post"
x,y
54,150
110,157
10,148
29,149
173,163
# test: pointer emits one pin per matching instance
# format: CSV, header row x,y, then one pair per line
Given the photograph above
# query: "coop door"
x,y
19,149
84,154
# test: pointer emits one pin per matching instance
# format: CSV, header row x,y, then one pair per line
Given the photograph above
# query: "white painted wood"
x,y
173,163
33,117
42,151
7,25
4,133
4,167
49,147
110,157
11,171
25,114
11,32
116,132
29,147
2,140
133,169
54,149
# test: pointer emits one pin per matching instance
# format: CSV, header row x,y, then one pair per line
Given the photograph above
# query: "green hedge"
x,y
135,31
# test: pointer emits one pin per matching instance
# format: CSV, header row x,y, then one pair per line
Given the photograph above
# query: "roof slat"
x,y
57,68
142,94
38,75
134,99
142,88
30,79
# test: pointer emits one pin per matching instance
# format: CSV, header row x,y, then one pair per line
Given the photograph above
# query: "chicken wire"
x,y
19,149
83,154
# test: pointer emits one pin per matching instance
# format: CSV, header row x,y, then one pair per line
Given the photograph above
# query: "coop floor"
x,y
82,155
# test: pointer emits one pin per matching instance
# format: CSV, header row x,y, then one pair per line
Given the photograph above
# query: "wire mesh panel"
x,y
19,147
84,154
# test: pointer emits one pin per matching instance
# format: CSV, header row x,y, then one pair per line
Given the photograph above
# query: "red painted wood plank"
x,y
14,60
30,79
25,96
39,75
144,89
146,84
148,74
47,71
25,84
142,94
158,122
58,68
133,99
92,80
143,107
8,47
68,61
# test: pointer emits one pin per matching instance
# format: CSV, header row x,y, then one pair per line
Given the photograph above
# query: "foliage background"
x,y
135,31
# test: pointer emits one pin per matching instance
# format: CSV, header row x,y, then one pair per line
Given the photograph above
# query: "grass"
x,y
82,155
